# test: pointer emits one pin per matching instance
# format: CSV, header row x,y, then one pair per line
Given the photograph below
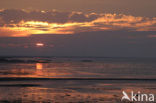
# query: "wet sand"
x,y
70,91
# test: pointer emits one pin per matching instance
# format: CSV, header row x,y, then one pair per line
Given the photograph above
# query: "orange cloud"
x,y
18,23
9,32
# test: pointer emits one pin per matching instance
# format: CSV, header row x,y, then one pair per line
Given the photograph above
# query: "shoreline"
x,y
112,79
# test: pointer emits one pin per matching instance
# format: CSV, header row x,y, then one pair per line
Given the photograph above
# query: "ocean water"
x,y
100,80
52,67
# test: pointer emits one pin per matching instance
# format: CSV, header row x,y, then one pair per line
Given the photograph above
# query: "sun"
x,y
39,44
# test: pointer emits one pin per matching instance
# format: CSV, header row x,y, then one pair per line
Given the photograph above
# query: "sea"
x,y
74,79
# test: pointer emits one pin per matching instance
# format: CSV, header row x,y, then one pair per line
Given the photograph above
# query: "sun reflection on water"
x,y
39,66
39,69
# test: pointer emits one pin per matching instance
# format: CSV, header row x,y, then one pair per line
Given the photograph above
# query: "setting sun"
x,y
39,44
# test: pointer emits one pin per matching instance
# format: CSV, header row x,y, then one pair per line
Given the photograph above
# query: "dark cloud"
x,y
144,8
10,16
80,17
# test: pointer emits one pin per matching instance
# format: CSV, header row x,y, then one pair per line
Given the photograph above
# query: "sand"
x,y
70,91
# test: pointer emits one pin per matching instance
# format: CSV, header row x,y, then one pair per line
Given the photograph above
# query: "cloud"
x,y
12,33
15,22
15,16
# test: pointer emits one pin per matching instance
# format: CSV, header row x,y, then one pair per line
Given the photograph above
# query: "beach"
x,y
70,91
74,80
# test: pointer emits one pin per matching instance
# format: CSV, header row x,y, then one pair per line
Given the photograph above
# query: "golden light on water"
x,y
39,66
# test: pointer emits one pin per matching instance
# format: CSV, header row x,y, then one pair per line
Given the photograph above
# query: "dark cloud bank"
x,y
9,16
100,43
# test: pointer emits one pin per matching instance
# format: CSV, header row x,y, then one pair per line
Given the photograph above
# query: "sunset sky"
x,y
104,28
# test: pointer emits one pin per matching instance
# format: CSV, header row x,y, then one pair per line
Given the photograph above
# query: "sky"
x,y
103,28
